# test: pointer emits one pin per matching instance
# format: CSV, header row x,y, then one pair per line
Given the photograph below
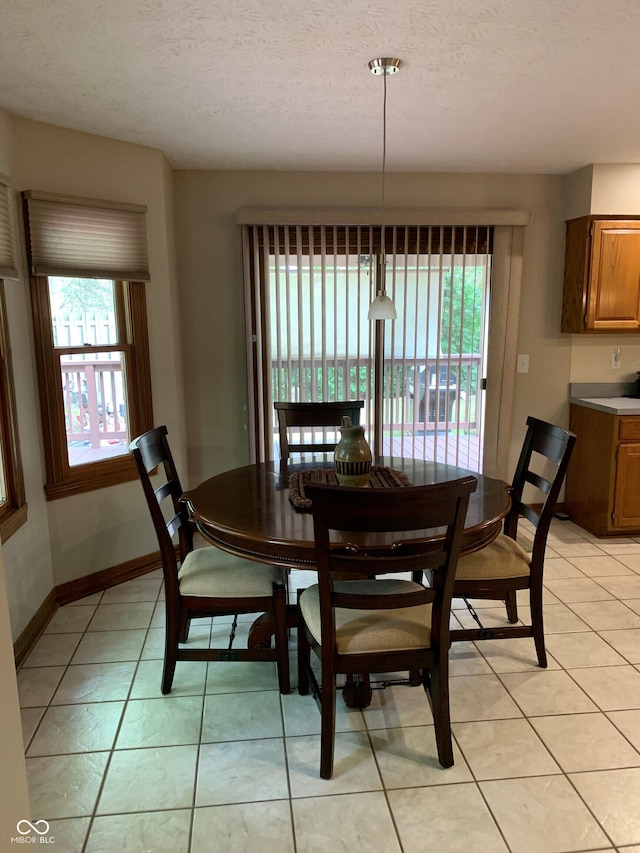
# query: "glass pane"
x,y
320,343
82,311
94,407
434,356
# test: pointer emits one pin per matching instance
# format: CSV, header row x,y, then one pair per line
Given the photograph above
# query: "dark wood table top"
x,y
247,511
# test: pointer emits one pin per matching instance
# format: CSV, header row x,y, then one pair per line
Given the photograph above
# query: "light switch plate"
x,y
523,364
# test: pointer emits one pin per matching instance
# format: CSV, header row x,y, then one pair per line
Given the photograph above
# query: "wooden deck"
x,y
452,447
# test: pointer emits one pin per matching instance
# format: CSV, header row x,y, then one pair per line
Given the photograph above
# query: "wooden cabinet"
x,y
626,505
602,275
602,490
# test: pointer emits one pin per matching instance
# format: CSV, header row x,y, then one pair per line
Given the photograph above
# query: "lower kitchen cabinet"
x,y
602,490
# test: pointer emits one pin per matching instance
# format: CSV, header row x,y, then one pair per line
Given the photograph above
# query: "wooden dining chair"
x,y
377,625
204,581
505,566
312,415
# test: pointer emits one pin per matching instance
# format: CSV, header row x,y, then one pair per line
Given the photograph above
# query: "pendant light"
x,y
382,307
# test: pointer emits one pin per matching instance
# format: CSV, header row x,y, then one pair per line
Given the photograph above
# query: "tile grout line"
x,y
93,815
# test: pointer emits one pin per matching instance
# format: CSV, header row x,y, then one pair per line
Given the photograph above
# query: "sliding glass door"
x,y
308,292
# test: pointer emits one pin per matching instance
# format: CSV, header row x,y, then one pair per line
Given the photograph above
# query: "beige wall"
x,y
27,556
72,537
616,189
212,298
14,799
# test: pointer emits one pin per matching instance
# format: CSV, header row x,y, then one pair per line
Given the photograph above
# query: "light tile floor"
x,y
546,761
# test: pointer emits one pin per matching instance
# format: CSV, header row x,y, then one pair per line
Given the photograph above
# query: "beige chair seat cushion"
x,y
210,572
359,631
503,558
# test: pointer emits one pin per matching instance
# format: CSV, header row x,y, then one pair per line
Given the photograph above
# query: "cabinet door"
x,y
614,289
627,493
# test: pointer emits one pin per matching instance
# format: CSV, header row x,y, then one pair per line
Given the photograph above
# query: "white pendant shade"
x,y
382,308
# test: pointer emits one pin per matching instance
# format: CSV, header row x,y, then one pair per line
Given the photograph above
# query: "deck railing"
x,y
450,400
93,402
95,412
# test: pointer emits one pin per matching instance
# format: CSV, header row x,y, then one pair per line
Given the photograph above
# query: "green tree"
x,y
462,309
83,295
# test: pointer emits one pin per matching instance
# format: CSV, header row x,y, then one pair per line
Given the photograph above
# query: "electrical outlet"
x,y
615,359
523,364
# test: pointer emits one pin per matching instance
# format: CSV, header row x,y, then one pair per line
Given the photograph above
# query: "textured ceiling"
x,y
486,85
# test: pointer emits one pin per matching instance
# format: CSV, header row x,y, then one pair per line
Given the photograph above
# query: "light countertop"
x,y
611,397
613,405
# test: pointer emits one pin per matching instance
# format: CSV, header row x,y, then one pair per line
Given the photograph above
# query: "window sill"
x,y
89,478
12,522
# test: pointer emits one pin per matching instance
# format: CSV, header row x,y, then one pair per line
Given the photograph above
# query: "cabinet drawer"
x,y
629,429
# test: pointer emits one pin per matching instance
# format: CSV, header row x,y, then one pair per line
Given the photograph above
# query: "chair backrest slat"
x,y
539,482
174,524
379,602
394,561
317,415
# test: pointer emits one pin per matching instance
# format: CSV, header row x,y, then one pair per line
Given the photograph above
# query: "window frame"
x,y
13,510
63,479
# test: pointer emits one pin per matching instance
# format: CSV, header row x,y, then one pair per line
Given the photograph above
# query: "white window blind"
x,y
8,267
86,238
308,288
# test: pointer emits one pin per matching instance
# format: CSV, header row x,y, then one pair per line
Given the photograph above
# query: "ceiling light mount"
x,y
386,65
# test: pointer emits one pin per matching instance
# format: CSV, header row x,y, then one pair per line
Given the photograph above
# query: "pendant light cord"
x,y
383,265
384,144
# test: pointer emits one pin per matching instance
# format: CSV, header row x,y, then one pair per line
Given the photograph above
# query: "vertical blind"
x,y
85,238
308,289
8,267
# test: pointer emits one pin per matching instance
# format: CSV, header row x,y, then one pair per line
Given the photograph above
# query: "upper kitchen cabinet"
x,y
602,275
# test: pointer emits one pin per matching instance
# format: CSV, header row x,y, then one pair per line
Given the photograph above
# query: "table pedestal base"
x,y
263,629
357,690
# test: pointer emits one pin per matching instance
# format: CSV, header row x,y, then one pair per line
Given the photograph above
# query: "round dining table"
x,y
247,511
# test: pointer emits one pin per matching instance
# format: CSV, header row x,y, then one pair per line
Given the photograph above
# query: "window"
x,y
13,506
91,338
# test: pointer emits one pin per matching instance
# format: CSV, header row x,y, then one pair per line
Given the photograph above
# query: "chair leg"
x,y
436,685
304,656
172,632
328,725
185,624
512,606
537,623
281,637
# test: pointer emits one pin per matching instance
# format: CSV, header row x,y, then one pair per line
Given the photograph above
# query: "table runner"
x,y
381,477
